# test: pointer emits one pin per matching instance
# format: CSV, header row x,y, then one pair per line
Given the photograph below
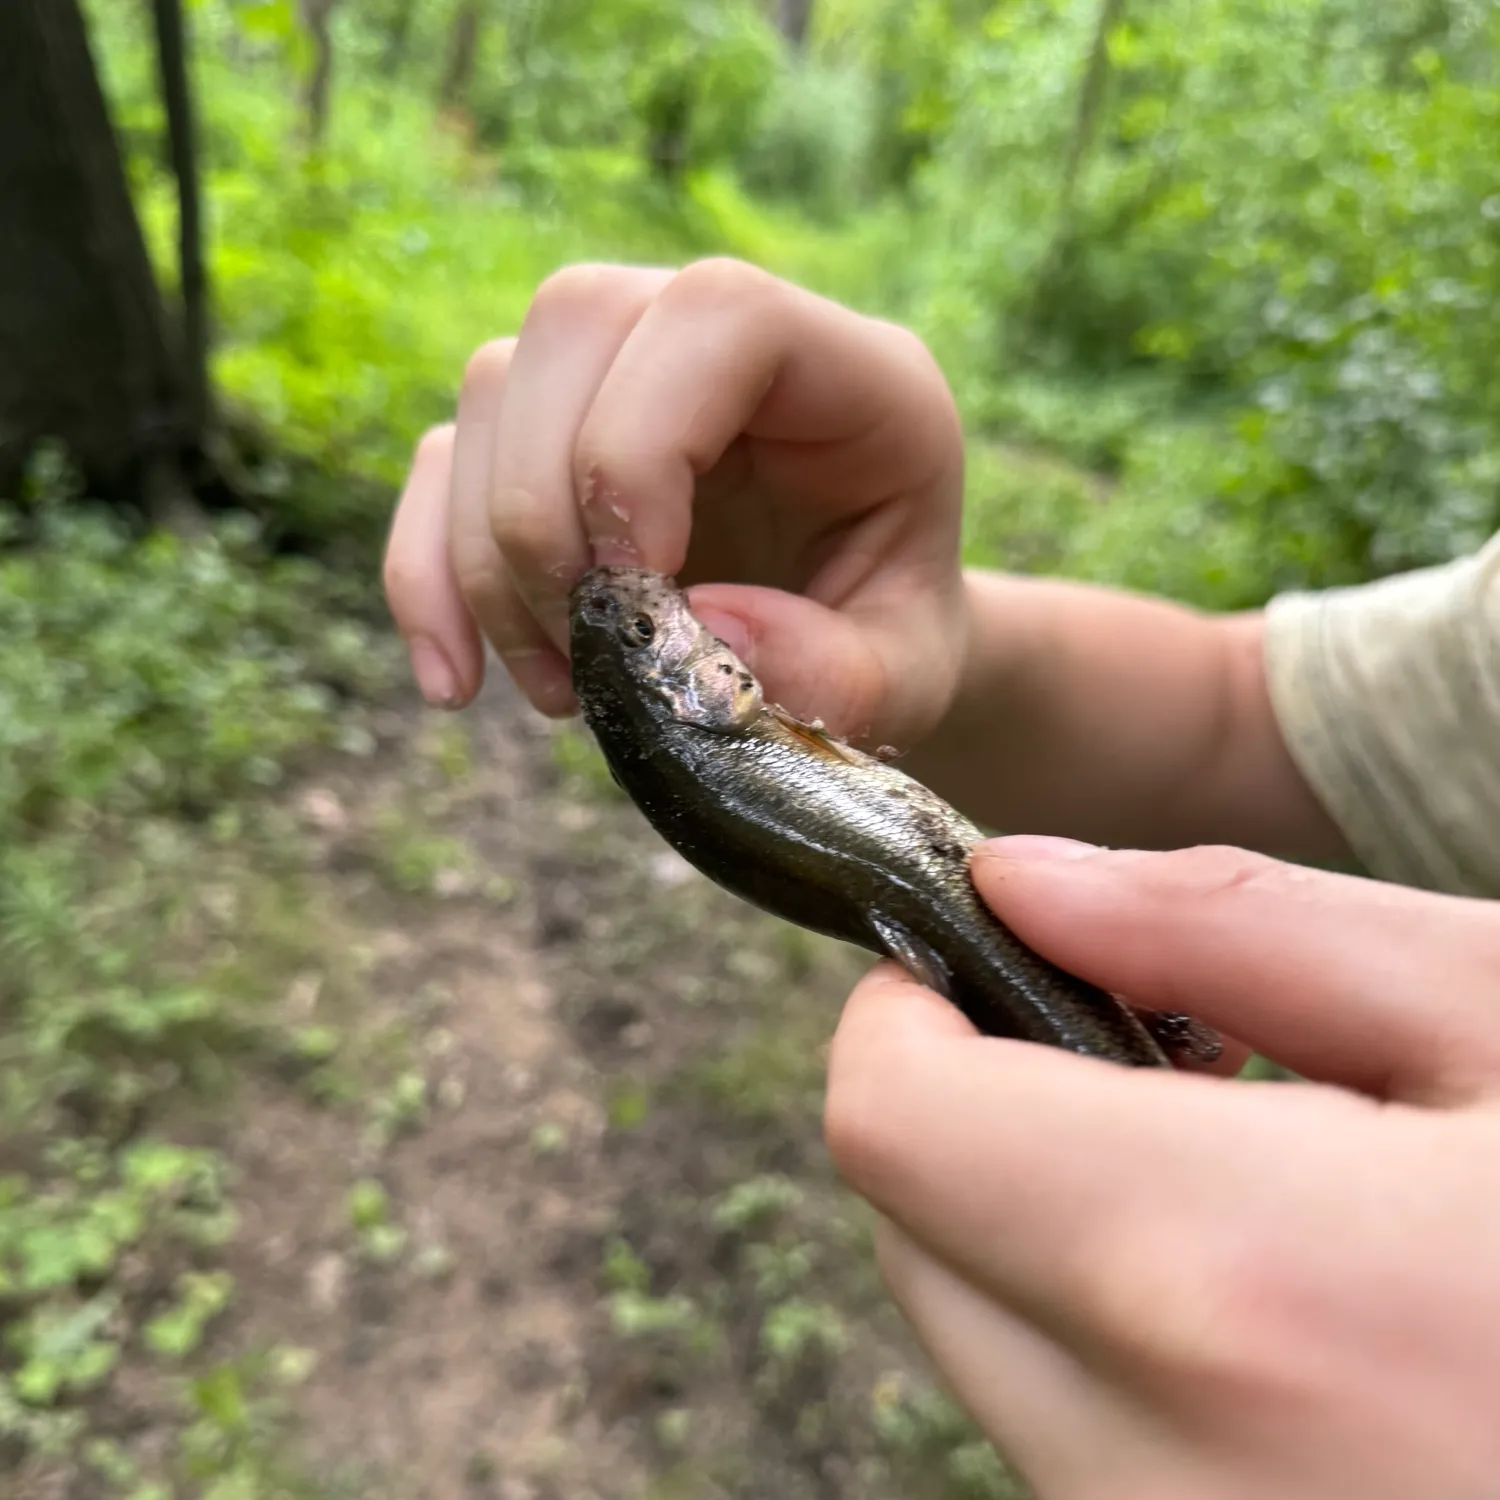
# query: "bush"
x,y
163,675
812,140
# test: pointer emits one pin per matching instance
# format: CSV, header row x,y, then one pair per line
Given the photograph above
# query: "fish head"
x,y
635,642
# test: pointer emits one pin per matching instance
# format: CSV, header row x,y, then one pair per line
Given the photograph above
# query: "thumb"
x,y
816,662
1377,987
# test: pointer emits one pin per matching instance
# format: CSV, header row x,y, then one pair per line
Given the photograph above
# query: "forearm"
x,y
1122,720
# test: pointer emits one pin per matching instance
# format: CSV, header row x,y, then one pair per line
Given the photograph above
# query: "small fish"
x,y
817,832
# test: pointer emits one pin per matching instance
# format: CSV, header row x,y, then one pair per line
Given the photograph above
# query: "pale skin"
x,y
1142,1285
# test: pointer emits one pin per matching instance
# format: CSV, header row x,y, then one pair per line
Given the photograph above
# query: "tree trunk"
x,y
1085,130
463,48
397,38
87,355
172,60
794,21
668,116
317,16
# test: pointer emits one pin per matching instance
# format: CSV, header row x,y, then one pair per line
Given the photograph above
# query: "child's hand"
x,y
799,464
1156,1286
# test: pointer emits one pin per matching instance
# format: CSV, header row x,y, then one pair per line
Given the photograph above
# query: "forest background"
x,y
1214,283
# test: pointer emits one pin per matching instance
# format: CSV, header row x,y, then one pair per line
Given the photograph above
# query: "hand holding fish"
x,y
800,468
800,462
1150,1284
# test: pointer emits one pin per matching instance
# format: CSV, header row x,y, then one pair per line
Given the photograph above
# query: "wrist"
x,y
988,665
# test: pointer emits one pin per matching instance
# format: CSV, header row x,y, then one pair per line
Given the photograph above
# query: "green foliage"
x,y
147,687
750,1204
927,1433
1255,299
1283,228
812,140
201,1298
795,1331
159,676
382,1241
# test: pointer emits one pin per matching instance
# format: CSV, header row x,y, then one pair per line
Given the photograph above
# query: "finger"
x,y
483,579
813,661
1029,1394
726,350
1067,1186
423,593
572,334
537,667
837,665
1376,987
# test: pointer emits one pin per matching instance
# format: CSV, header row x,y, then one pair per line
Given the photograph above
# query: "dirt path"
x,y
584,1240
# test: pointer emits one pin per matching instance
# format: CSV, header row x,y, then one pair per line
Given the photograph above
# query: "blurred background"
x,y
383,1110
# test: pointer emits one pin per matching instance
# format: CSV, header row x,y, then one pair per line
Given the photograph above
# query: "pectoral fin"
x,y
918,959
1183,1038
812,733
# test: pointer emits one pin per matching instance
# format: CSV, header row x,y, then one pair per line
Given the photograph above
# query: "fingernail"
x,y
729,628
434,673
1036,846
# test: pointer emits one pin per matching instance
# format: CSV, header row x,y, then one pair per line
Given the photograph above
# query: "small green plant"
x,y
400,1107
629,1105
634,1315
796,1330
381,1240
778,1270
673,1428
624,1270
414,858
235,1443
924,1432
550,1138
750,1205
63,1350
201,1297
581,764
451,750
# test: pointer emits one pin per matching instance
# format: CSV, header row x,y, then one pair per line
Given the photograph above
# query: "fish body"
x,y
809,828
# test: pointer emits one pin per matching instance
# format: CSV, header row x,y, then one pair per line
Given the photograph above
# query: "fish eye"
x,y
640,631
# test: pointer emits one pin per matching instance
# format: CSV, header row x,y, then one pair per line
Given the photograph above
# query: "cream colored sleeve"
x,y
1389,698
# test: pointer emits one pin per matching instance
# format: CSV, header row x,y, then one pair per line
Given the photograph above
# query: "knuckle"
x,y
480,576
575,290
604,464
402,583
910,354
435,443
1214,870
721,277
910,346
522,531
489,362
401,577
